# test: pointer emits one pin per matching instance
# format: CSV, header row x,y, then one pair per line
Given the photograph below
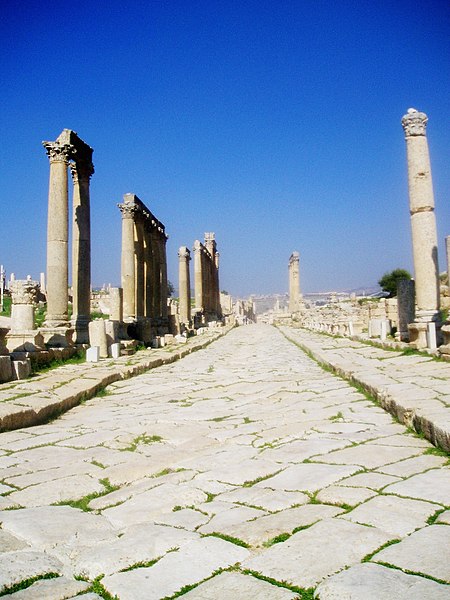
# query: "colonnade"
x,y
206,278
143,263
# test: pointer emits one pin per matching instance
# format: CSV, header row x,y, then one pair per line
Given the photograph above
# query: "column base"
x,y
57,337
25,341
81,326
445,348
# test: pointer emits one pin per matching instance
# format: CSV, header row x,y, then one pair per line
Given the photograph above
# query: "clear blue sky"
x,y
275,124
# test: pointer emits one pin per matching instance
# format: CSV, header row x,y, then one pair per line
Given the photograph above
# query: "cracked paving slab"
x,y
242,469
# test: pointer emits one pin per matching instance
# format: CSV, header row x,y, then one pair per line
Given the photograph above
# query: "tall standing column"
x,y
294,282
423,225
164,282
198,275
140,267
58,235
217,286
447,252
148,259
184,285
81,250
128,276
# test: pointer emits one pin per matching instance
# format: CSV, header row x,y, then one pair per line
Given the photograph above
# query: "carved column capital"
x,y
129,211
414,123
57,152
184,253
81,170
24,291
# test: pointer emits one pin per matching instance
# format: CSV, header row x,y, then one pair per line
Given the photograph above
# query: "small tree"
x,y
388,282
170,289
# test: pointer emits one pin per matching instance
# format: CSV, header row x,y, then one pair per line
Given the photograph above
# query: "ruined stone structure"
x,y
184,286
423,225
23,335
144,268
68,150
294,283
206,274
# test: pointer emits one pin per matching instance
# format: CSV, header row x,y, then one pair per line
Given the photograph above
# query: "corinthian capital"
x,y
81,170
57,152
128,210
184,253
414,122
24,291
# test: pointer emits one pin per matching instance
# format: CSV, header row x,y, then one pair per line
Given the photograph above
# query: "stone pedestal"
x,y
423,226
23,337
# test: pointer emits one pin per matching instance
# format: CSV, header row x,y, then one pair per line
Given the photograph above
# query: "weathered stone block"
x,y
93,354
6,372
21,369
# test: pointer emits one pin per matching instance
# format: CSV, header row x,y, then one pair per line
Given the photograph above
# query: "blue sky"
x,y
275,124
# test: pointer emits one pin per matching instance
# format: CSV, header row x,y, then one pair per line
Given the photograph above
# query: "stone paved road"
x,y
243,469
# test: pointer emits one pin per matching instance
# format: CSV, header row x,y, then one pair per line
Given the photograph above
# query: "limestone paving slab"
x,y
374,481
59,588
366,456
270,500
426,551
308,477
369,581
237,585
263,529
433,486
25,564
411,466
340,495
317,552
396,516
193,563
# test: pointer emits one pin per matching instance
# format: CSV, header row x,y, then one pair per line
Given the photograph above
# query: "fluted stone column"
x,y
423,225
128,276
294,282
184,285
58,234
163,271
81,250
198,275
447,252
140,268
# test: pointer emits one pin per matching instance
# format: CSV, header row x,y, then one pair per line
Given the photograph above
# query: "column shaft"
x,y
57,237
128,268
184,285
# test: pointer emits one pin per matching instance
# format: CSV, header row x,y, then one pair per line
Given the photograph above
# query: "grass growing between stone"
x,y
228,538
142,439
83,503
303,593
26,583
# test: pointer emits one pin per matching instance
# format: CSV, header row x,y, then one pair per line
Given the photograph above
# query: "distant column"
x,y
198,275
184,285
447,251
81,249
423,224
58,235
140,267
128,276
163,271
294,282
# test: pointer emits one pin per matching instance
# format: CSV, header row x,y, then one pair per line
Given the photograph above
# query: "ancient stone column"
x,y
217,286
294,282
128,276
447,252
164,281
23,295
81,249
405,308
184,285
423,225
116,304
58,153
198,275
148,262
140,268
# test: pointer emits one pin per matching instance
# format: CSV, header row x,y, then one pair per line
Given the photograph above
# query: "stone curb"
x,y
434,426
36,408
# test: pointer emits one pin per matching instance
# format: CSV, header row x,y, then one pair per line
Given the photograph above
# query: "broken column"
x,y
184,285
23,336
423,225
